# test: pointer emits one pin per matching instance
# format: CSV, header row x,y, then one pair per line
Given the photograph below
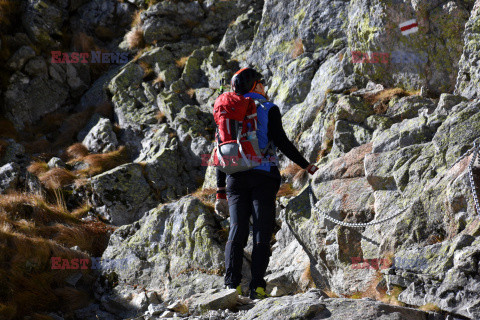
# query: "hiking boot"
x,y
259,293
238,288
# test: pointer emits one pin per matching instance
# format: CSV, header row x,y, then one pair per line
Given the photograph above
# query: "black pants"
x,y
250,193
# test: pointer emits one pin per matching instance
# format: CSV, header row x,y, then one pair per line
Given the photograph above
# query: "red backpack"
x,y
236,147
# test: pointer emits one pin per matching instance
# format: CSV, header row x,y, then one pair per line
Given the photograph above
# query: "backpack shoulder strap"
x,y
260,102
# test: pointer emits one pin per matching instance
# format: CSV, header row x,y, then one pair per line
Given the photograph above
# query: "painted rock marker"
x,y
408,27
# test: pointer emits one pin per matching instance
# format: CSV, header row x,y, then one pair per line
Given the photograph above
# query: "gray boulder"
x,y
447,102
174,250
347,136
213,299
122,195
408,108
43,22
13,153
313,305
10,176
403,134
20,57
27,100
469,75
101,138
409,57
78,78
239,36
36,66
288,271
134,100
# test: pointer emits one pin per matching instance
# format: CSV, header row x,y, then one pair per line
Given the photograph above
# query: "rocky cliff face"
x,y
384,113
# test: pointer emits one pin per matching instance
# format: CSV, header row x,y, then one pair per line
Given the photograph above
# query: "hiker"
x,y
253,192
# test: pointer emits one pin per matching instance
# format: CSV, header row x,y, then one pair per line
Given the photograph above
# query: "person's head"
x,y
248,80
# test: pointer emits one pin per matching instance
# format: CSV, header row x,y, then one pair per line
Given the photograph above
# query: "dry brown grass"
x,y
384,97
101,162
135,39
297,48
31,233
76,151
136,19
330,293
290,171
160,116
57,178
286,190
181,62
159,80
207,196
148,71
190,92
38,167
430,307
82,211
19,206
378,294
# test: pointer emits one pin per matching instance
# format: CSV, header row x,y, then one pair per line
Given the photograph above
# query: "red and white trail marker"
x,y
408,27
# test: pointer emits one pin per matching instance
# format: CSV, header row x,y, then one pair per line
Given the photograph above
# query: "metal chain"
x,y
470,174
347,224
466,154
475,149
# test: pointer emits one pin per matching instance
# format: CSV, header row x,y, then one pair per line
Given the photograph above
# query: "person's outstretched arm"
x,y
280,139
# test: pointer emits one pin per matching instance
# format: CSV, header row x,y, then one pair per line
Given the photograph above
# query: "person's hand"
x,y
221,208
311,168
221,204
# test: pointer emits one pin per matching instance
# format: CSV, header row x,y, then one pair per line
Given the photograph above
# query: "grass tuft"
x,y
160,116
330,293
148,72
181,62
38,167
206,196
430,307
297,49
137,19
135,39
101,162
57,178
77,151
290,171
380,100
286,190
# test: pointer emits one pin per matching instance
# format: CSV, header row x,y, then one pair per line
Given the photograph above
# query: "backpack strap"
x,y
259,103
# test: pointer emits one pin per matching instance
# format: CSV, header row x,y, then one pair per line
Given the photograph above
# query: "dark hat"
x,y
245,80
